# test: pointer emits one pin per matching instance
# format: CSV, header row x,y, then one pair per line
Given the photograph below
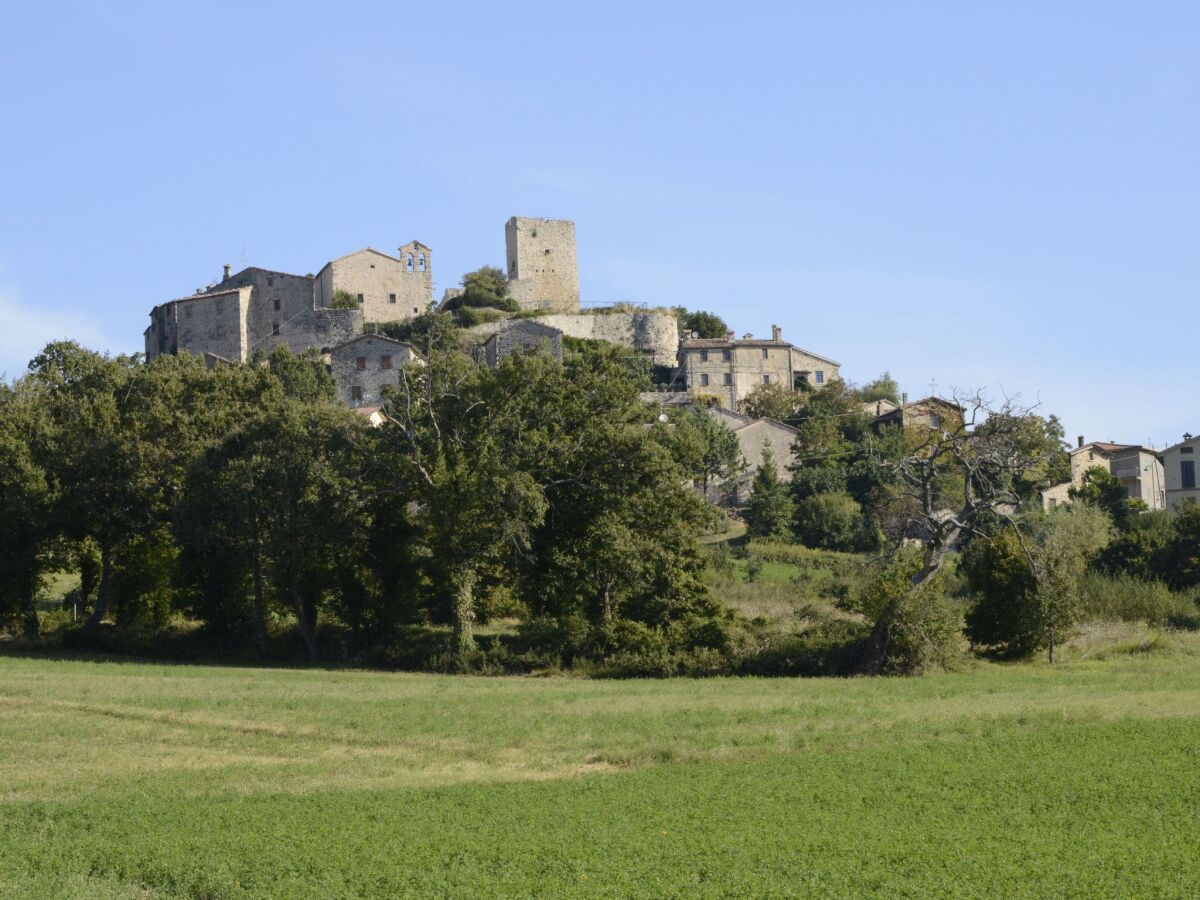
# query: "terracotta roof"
x,y
722,343
205,295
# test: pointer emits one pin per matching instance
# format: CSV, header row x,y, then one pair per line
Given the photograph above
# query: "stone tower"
x,y
543,272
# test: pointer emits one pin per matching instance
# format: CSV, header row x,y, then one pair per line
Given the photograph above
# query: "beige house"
x,y
931,412
386,288
1179,465
364,366
1140,470
730,369
753,435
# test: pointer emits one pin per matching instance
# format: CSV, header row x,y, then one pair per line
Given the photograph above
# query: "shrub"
x,y
830,648
1128,599
831,521
916,628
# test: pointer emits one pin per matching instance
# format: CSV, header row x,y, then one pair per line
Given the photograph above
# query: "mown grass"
x,y
127,779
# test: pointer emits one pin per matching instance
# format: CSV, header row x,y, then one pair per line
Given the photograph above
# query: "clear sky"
x,y
969,194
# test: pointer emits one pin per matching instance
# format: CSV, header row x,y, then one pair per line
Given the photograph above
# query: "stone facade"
x,y
753,436
653,332
543,271
928,413
730,369
1140,470
364,366
388,288
1181,463
522,336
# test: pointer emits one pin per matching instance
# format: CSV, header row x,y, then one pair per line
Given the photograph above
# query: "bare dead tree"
x,y
984,450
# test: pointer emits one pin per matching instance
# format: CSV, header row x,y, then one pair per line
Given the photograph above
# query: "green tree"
x,y
773,401
1026,586
833,521
707,448
286,490
915,629
882,388
770,510
343,299
26,503
1182,554
486,287
93,453
704,324
1103,490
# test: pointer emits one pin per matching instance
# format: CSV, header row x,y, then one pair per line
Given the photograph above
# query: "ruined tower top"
x,y
543,272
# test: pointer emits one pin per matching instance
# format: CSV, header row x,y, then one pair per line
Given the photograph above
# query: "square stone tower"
x,y
543,272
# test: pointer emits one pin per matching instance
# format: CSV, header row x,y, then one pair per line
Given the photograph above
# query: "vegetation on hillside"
x,y
539,516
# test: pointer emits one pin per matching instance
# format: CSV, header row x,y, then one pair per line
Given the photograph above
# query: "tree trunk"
x,y
463,582
876,652
31,624
260,610
101,609
302,623
1051,646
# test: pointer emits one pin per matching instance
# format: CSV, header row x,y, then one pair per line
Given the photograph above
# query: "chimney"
x,y
228,268
1080,439
904,399
776,333
729,336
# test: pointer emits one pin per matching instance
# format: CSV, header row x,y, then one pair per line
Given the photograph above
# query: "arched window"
x,y
408,263
421,262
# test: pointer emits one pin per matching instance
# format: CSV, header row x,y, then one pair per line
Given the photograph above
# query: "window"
x,y
385,362
1187,450
1187,473
703,381
274,328
703,356
766,379
360,299
277,303
187,312
415,309
766,353
270,282
391,298
360,363
728,378
220,307
725,355
820,376
356,392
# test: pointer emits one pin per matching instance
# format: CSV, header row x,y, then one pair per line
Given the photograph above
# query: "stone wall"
x,y
543,270
653,332
522,336
369,363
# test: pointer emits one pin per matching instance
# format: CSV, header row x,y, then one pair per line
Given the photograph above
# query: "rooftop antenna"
x,y
242,258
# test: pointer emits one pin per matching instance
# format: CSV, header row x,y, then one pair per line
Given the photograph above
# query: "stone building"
x,y
543,272
522,336
1140,470
654,332
930,412
1179,463
753,436
730,369
365,365
387,288
257,310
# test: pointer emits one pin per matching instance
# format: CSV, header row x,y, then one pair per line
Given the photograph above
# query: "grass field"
x,y
136,780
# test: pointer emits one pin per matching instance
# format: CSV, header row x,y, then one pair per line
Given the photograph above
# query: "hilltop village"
x,y
342,310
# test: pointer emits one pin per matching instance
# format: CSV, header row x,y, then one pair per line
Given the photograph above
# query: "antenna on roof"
x,y
242,258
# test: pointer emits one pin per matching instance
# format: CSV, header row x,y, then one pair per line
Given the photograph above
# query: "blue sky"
x,y
1001,195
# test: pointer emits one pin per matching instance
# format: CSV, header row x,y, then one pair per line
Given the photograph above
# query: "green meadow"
x,y
122,779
